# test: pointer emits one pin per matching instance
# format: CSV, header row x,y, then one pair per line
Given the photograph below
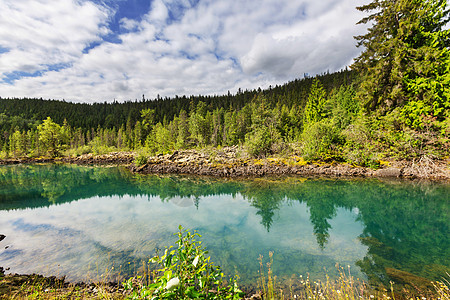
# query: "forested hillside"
x,y
394,104
22,113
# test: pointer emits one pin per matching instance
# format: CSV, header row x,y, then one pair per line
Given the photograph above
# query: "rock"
x,y
388,172
173,155
2,237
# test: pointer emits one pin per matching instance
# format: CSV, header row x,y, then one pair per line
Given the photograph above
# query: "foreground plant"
x,y
184,273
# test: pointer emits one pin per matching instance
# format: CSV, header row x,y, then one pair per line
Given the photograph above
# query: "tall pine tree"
x,y
406,54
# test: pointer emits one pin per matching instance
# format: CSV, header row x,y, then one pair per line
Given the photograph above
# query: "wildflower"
x,y
172,283
371,296
195,262
338,291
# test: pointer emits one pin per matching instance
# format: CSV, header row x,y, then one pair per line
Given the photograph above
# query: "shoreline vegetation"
x,y
235,162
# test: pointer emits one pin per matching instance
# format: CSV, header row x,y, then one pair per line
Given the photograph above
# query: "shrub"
x,y
320,140
258,142
359,147
140,160
185,273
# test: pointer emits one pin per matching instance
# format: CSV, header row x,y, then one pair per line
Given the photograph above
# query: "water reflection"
x,y
78,220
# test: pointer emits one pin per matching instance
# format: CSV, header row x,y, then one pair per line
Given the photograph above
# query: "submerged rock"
x,y
406,278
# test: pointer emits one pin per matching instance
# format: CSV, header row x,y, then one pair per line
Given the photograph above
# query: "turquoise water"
x,y
90,223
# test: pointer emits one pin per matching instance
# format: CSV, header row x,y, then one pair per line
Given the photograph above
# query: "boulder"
x,y
388,172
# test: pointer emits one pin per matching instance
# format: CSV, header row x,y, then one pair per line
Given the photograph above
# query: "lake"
x,y
92,223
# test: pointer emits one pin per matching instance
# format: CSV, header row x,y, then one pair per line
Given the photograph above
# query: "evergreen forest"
x,y
393,103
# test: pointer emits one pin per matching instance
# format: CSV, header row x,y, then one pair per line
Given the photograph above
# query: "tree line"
x,y
394,103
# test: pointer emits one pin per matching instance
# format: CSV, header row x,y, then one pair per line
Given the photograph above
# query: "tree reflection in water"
x,y
406,224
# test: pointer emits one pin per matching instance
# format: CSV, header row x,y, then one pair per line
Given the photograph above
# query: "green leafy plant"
x,y
184,273
141,159
320,139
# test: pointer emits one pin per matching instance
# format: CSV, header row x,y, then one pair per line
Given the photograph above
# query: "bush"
x,y
258,142
140,160
185,273
360,148
320,140
264,141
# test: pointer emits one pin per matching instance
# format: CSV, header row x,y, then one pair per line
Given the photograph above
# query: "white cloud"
x,y
45,32
158,12
177,48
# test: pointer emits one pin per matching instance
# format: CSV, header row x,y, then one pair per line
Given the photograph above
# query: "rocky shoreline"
x,y
113,158
231,162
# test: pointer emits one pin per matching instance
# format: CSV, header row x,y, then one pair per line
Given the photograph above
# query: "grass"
x,y
344,287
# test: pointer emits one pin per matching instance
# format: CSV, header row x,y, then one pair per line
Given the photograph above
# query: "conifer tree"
x,y
314,108
406,54
50,134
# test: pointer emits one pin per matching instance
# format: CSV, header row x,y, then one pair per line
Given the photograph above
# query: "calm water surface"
x,y
92,222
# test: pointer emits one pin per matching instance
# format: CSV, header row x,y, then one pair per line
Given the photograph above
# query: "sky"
x,y
106,50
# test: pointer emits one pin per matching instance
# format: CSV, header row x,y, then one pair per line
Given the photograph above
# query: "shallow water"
x,y
92,223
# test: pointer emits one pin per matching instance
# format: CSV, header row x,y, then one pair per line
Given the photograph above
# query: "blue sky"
x,y
101,50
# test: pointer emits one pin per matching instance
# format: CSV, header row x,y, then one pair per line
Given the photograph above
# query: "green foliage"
x,y
264,133
259,142
344,106
86,149
159,140
141,159
314,109
148,117
289,124
200,125
185,273
266,122
360,139
406,54
320,141
183,134
52,136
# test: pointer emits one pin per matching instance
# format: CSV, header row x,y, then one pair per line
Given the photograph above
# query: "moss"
x,y
258,162
384,163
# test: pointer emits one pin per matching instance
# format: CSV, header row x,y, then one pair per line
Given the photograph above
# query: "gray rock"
x,y
388,172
